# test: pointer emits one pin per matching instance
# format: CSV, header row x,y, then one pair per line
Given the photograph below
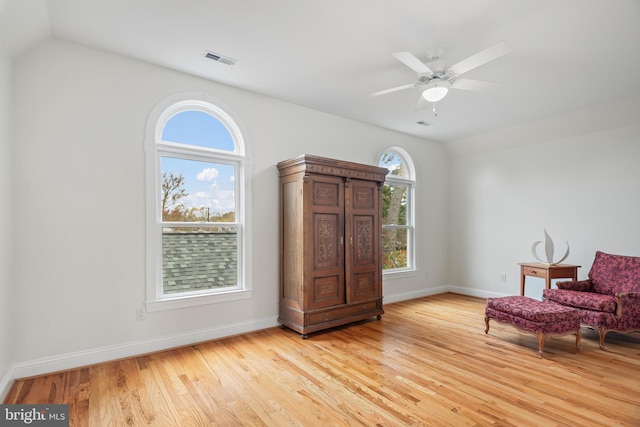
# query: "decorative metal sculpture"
x,y
548,249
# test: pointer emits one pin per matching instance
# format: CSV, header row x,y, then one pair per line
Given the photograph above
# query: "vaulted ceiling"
x,y
330,55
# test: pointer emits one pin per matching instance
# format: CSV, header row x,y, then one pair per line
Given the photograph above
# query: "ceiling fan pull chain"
x,y
435,113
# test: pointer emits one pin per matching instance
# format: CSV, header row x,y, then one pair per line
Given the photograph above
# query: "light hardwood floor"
x,y
428,362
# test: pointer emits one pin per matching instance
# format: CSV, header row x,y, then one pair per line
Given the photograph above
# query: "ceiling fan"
x,y
437,79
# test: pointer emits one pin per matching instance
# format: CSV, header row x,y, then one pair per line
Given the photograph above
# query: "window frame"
x,y
155,149
410,183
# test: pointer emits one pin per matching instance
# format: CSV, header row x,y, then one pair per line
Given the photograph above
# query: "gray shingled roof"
x,y
198,260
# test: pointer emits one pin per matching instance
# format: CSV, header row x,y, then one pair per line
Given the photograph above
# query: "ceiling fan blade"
x,y
409,59
487,55
477,85
393,89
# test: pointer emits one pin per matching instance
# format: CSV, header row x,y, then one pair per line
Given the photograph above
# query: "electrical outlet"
x,y
140,313
503,278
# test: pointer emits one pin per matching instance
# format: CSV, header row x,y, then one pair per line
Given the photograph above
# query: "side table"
x,y
547,272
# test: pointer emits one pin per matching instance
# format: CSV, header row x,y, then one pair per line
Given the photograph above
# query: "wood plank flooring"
x,y
428,362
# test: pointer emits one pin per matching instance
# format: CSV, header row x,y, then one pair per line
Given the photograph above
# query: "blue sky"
x,y
209,184
392,161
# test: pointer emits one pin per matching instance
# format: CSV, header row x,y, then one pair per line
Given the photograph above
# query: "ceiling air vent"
x,y
219,58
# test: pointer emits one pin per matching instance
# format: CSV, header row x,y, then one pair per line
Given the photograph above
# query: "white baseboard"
x,y
388,299
475,292
440,290
104,354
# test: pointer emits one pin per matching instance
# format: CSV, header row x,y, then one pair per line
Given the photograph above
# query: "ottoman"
x,y
542,318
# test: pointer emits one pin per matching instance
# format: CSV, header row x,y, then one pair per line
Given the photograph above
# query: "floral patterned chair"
x,y
609,300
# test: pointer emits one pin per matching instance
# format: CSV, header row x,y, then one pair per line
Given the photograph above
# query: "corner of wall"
x,y
5,219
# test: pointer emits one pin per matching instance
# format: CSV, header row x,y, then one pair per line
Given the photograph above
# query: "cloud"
x,y
197,200
219,201
208,174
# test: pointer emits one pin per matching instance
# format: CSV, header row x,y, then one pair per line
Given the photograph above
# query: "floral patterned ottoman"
x,y
542,318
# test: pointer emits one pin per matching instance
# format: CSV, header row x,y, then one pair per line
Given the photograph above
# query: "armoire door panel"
x,y
364,286
326,193
327,291
327,237
363,196
364,240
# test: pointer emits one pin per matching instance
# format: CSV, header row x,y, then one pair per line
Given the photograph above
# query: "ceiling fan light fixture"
x,y
436,90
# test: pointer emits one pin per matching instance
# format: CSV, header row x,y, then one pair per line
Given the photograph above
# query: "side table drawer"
x,y
535,272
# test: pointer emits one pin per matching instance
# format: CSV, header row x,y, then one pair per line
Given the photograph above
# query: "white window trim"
x,y
154,149
411,183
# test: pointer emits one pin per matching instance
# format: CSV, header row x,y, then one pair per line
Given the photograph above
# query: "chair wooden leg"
x,y
486,322
540,337
602,331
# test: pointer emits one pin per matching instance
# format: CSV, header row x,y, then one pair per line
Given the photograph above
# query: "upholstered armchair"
x,y
609,300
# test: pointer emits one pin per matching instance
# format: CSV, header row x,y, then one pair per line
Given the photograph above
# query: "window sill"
x,y
196,300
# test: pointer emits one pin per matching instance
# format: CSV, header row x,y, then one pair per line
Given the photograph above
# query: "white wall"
x,y
5,215
80,117
584,189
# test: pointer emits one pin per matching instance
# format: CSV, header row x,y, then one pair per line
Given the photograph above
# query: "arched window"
x,y
397,211
196,219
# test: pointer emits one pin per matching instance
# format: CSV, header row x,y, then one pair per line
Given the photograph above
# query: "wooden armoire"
x,y
330,243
